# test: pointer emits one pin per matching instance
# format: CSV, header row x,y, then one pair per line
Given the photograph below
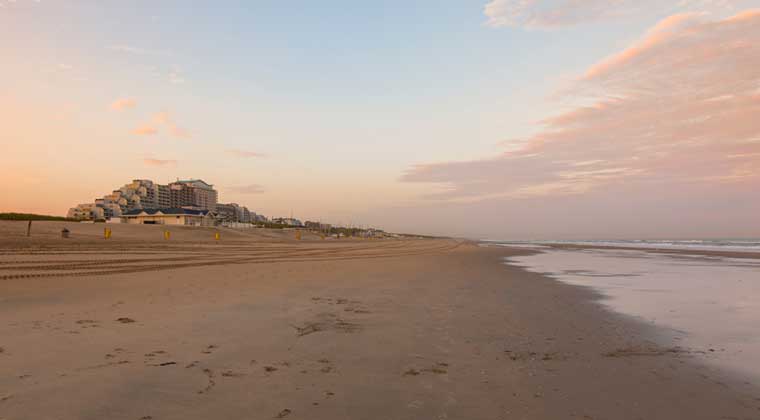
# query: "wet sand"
x,y
710,305
261,326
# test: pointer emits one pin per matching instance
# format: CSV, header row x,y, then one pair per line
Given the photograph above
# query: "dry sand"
x,y
261,326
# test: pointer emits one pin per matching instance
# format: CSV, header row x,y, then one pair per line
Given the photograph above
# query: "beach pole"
x,y
167,235
107,233
217,236
298,235
29,229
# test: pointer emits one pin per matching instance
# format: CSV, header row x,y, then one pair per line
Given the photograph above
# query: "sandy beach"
x,y
261,326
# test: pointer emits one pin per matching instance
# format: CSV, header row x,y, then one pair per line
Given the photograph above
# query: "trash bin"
x,y
64,233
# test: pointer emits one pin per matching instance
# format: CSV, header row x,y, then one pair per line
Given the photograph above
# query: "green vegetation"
x,y
29,216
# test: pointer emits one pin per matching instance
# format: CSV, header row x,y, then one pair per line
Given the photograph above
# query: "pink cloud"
x,y
559,13
176,131
677,108
159,162
159,120
662,34
123,103
145,130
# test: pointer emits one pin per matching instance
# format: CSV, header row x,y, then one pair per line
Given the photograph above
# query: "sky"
x,y
500,119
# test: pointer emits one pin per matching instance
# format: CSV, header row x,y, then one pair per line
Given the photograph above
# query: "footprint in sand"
x,y
282,414
415,404
412,372
211,383
440,368
232,374
88,323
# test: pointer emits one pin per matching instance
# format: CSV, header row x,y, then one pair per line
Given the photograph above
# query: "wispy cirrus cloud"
x,y
159,162
245,153
677,107
559,13
122,104
248,189
159,121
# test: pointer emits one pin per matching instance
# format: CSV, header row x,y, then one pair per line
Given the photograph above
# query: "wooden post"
x,y
29,229
217,236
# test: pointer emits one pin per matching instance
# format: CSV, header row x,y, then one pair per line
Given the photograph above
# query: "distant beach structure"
x,y
171,216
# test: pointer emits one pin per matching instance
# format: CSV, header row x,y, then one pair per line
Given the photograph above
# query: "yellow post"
x,y
298,235
107,233
217,236
167,235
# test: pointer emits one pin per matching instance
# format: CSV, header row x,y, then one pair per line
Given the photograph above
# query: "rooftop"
x,y
170,211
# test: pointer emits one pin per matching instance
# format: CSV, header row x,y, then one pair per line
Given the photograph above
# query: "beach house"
x,y
170,216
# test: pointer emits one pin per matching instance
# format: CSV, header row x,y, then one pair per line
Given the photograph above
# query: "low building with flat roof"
x,y
170,216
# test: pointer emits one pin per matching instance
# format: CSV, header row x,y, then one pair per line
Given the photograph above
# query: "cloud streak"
x,y
159,162
145,130
677,108
560,13
161,120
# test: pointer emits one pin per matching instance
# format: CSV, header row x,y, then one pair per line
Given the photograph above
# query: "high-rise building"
x,y
164,197
233,212
193,193
87,211
227,212
139,194
245,215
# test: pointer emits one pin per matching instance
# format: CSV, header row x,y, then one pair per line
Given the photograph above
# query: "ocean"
x,y
737,245
708,305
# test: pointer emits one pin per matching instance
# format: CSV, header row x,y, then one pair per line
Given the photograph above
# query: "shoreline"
x,y
647,286
403,329
663,250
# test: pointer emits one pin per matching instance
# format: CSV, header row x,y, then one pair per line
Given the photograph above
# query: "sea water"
x,y
729,245
710,304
